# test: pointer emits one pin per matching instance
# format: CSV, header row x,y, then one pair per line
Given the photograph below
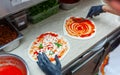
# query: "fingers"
x,y
43,61
96,14
40,62
94,11
90,13
46,58
57,62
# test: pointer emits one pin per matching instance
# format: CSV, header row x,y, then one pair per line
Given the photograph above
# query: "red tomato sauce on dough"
x,y
10,70
52,34
80,27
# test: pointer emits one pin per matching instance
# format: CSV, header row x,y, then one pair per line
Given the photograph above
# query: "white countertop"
x,y
105,24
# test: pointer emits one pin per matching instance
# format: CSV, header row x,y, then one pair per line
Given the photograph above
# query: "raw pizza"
x,y
79,28
51,44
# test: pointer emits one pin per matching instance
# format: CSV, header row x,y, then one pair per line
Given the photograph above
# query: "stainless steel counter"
x,y
105,24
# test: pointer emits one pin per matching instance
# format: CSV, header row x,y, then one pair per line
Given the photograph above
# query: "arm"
x,y
107,8
112,6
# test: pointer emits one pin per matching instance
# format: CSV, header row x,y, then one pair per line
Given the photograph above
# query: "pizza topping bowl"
x,y
51,44
79,27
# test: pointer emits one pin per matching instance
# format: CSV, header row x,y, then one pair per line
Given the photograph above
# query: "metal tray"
x,y
14,43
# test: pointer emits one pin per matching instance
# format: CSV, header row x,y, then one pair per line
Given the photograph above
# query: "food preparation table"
x,y
105,24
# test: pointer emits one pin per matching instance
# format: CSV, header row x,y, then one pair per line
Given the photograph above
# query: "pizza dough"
x,y
51,44
79,28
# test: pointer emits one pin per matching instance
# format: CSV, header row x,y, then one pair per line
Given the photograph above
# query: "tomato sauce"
x,y
42,35
79,27
10,70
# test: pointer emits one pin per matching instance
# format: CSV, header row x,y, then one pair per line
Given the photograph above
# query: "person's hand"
x,y
94,11
47,67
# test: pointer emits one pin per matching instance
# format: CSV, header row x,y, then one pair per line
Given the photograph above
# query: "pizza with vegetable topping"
x,y
51,44
78,27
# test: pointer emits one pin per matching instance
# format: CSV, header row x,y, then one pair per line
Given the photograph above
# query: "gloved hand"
x,y
47,67
94,11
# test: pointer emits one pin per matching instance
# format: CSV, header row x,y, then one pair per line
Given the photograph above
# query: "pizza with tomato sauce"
x,y
79,28
51,44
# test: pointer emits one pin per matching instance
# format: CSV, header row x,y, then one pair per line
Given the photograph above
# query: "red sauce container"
x,y
11,64
68,4
69,1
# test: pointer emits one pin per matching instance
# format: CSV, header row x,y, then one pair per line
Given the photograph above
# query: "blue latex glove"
x,y
94,11
47,67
